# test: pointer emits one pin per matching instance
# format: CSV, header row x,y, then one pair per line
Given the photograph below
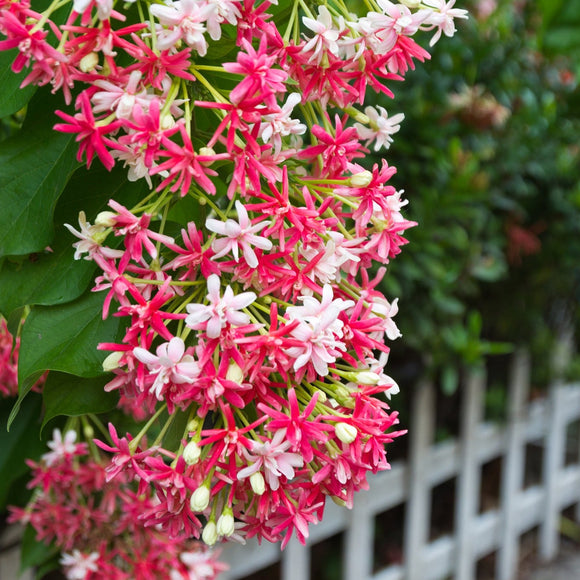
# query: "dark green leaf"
x,y
21,442
12,97
69,395
35,165
55,277
65,338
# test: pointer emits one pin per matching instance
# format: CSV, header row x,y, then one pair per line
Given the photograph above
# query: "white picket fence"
x,y
476,535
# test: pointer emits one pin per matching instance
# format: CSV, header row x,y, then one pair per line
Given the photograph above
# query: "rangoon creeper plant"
x,y
237,275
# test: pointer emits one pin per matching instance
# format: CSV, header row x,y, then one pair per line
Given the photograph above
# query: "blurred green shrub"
x,y
489,159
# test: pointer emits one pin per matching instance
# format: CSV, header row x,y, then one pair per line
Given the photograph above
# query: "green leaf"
x,y
35,165
69,395
12,97
65,338
21,442
55,277
449,380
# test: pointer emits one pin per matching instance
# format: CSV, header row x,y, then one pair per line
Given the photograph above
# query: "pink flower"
x,y
238,235
221,310
261,80
91,135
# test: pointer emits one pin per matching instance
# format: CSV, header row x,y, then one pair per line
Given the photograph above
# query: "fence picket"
x,y
418,511
513,465
469,475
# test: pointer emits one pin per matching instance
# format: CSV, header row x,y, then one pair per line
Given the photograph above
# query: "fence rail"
x,y
543,423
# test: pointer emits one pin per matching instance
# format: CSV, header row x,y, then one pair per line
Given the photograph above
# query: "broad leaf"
x,y
12,97
63,338
35,165
22,442
69,395
54,277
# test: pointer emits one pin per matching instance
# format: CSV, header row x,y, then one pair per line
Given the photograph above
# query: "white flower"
x,y
440,15
171,365
272,458
381,127
319,331
240,235
91,237
325,35
280,124
184,19
77,565
220,311
60,447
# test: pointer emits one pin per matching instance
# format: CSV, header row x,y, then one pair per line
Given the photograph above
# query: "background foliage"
x,y
488,155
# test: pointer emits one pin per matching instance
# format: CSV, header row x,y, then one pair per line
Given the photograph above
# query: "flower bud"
x,y
257,482
89,62
111,363
199,499
361,179
367,378
191,453
345,432
411,3
209,534
225,523
206,152
338,501
167,122
235,374
105,219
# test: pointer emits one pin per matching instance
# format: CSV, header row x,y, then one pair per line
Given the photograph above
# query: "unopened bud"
x,y
167,122
199,499
106,219
367,378
111,363
411,3
88,432
89,62
257,482
206,152
338,501
191,453
235,373
345,432
361,179
209,534
225,523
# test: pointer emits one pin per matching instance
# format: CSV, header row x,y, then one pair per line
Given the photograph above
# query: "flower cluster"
x,y
96,524
8,362
253,323
9,348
